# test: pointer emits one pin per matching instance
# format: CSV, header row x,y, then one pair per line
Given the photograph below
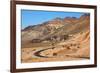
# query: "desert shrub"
x,y
54,54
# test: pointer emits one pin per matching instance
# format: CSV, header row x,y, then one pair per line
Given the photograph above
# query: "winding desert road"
x,y
39,55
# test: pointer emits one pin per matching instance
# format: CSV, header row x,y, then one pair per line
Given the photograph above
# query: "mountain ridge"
x,y
55,29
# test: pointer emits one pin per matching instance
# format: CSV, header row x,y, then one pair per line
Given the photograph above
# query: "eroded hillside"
x,y
56,40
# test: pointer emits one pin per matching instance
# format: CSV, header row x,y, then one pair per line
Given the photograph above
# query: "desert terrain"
x,y
57,40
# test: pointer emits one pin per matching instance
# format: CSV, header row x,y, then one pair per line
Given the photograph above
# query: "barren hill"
x,y
57,40
55,29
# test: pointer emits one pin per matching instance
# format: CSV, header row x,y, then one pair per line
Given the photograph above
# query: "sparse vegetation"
x,y
57,40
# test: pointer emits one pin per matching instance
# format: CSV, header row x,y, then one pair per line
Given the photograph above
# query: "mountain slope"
x,y
57,29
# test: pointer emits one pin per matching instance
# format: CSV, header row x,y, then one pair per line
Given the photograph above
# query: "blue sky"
x,y
35,17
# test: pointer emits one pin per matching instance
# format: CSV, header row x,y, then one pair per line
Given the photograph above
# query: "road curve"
x,y
39,55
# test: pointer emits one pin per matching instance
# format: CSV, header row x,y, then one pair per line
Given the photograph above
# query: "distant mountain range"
x,y
56,30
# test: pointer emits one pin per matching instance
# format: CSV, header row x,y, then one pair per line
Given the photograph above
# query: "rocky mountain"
x,y
58,29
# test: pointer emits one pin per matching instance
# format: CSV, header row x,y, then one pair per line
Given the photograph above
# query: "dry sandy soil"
x,y
75,48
